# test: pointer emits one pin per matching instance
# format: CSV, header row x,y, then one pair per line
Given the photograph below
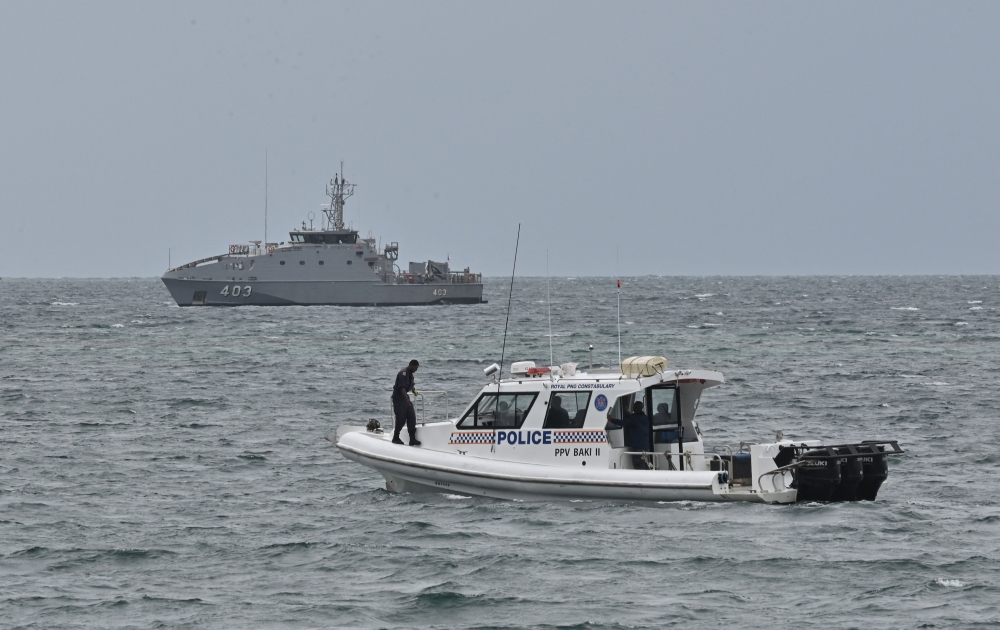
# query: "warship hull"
x,y
319,292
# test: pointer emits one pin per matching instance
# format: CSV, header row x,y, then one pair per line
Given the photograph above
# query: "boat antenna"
x,y
548,301
503,347
619,307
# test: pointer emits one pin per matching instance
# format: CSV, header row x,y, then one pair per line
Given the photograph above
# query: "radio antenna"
x,y
265,198
548,302
503,347
619,307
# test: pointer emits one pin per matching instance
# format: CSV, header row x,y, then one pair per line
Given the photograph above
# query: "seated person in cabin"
x,y
504,417
636,426
662,415
558,416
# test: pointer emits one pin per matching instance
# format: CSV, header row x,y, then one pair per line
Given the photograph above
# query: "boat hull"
x,y
408,469
196,292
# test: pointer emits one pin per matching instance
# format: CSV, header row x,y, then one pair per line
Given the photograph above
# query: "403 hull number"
x,y
237,290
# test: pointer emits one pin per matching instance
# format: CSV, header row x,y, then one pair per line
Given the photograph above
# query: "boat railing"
x,y
421,417
653,457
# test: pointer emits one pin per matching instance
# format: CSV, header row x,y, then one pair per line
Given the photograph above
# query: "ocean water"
x,y
167,468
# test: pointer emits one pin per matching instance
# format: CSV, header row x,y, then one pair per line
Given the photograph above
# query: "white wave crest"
x,y
951,583
904,308
65,304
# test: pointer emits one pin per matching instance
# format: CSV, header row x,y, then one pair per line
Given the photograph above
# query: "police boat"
x,y
556,433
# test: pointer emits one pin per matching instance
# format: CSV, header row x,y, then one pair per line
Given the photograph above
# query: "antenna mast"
x,y
548,302
503,348
265,197
338,190
619,308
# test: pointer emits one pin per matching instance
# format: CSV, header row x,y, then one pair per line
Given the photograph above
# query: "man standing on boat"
x,y
636,426
402,406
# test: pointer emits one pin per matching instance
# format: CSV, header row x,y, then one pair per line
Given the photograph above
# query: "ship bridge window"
x,y
503,411
567,410
321,238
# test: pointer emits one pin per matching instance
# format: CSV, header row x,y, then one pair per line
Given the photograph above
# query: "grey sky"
x,y
703,138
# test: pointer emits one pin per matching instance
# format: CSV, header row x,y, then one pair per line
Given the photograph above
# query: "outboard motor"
x,y
875,467
851,475
818,476
842,472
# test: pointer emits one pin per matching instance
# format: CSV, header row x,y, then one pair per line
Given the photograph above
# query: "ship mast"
x,y
338,190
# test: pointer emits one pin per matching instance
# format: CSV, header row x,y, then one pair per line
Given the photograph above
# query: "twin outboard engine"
x,y
843,472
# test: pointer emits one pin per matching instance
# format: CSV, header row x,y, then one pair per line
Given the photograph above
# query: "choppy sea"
x,y
164,467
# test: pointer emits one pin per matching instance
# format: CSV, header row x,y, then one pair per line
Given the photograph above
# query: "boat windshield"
x,y
498,410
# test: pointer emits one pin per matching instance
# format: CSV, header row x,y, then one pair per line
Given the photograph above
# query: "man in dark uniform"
x,y
558,417
636,425
402,406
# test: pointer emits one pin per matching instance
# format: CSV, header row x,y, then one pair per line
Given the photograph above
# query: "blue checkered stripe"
x,y
578,437
472,437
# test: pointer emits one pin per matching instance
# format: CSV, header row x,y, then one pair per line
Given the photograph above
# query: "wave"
x,y
949,583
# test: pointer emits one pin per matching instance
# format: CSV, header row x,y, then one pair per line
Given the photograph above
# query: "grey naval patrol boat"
x,y
327,265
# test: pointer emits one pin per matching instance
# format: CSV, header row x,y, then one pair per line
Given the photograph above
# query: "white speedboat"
x,y
544,433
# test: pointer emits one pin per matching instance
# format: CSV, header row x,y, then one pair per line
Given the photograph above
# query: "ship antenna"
x,y
548,302
265,197
503,347
338,190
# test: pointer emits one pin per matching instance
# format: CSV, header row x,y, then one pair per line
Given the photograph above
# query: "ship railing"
x,y
420,278
250,250
199,262
653,459
465,278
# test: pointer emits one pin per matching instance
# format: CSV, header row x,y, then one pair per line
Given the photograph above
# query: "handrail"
x,y
667,456
420,418
198,262
447,403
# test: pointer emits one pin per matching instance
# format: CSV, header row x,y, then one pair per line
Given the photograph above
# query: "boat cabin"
x,y
559,416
